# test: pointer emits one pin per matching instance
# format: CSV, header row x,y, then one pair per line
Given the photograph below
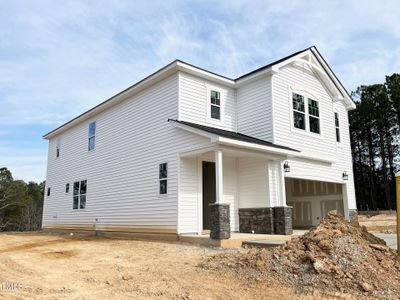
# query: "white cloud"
x,y
59,59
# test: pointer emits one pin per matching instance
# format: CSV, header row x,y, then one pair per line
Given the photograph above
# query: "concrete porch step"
x,y
262,243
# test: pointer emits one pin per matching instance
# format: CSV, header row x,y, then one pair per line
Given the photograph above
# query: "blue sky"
x,y
60,58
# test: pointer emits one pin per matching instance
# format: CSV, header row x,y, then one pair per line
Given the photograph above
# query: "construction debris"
x,y
335,256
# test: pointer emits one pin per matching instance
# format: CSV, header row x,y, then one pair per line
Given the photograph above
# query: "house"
x,y
186,150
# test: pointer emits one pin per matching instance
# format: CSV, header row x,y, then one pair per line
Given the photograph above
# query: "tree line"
x,y
21,203
374,134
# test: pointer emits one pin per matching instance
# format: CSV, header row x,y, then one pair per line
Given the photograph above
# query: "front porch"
x,y
232,191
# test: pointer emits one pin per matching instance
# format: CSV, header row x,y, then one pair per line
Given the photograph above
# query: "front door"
x,y
209,191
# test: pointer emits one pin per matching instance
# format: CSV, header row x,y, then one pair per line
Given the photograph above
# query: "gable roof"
x,y
179,65
233,135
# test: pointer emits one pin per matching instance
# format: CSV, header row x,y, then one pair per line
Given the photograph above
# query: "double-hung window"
x,y
215,102
79,197
313,115
306,119
92,136
337,127
58,148
299,115
163,178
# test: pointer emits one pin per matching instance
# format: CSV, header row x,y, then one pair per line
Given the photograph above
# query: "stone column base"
x,y
256,220
220,221
353,215
283,220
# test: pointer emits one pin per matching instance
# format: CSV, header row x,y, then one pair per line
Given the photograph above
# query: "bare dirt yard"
x,y
45,266
65,267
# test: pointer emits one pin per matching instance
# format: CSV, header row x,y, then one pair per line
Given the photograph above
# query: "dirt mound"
x,y
335,256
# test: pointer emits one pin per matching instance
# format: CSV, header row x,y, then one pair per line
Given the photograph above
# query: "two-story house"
x,y
185,150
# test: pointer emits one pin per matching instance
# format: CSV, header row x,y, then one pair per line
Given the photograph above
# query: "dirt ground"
x,y
44,266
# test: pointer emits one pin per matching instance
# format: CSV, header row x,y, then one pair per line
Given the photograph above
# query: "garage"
x,y
312,200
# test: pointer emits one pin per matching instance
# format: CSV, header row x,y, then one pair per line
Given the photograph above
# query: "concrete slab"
x,y
235,241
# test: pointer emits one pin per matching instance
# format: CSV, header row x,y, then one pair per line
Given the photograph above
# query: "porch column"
x,y
220,216
282,214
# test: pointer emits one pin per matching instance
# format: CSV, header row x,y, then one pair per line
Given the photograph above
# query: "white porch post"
x,y
220,227
219,177
276,183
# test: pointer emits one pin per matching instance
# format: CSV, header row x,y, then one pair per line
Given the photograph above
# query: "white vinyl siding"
x,y
194,102
254,109
293,78
123,170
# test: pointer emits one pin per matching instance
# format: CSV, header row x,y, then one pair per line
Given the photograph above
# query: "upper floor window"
x,y
48,192
305,119
163,178
337,127
299,115
313,115
79,197
92,136
215,98
58,148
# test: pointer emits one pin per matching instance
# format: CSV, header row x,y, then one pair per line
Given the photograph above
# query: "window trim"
x,y
162,179
307,95
92,136
209,104
312,116
337,127
79,195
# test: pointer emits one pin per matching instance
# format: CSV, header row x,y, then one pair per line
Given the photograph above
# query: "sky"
x,y
60,58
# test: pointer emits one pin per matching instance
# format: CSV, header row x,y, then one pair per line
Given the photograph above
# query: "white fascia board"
x,y
347,100
247,145
205,74
255,76
203,133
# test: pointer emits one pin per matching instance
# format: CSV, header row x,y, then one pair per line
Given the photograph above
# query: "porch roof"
x,y
233,135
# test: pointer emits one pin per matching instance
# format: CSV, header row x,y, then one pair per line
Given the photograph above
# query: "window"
x,y
163,178
58,148
215,98
337,127
92,135
298,112
313,115
67,188
79,197
48,192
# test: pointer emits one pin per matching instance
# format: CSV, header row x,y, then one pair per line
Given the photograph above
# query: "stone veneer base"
x,y
220,227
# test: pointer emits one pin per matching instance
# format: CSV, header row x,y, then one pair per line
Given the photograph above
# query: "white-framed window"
x,y
337,127
67,188
163,178
306,119
92,136
79,195
313,116
299,114
58,147
215,105
48,192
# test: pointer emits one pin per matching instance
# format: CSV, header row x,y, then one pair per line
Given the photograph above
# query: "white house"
x,y
269,149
